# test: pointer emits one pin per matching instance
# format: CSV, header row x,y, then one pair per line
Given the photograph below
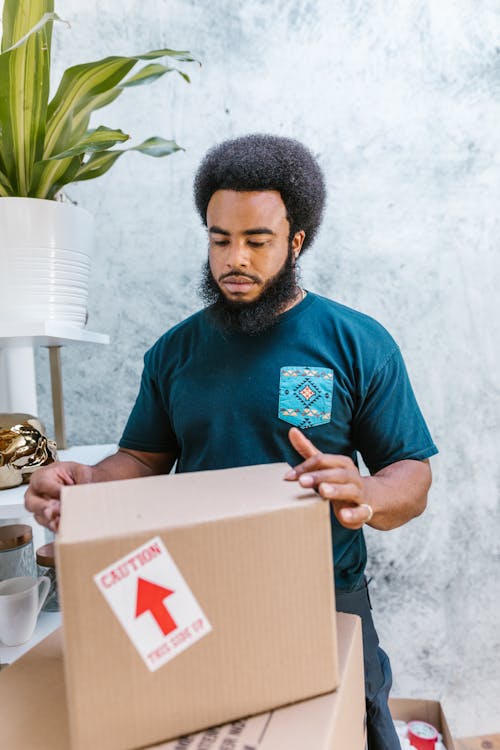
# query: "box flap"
x,y
98,511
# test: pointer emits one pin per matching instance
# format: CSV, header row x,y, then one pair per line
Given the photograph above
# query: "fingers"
x,y
313,478
349,492
43,493
314,459
352,517
335,477
345,490
322,467
48,514
302,444
45,509
42,488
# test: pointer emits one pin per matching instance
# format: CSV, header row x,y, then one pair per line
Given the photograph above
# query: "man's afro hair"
x,y
266,162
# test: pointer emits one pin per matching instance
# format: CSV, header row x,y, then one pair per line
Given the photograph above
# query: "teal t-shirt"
x,y
219,399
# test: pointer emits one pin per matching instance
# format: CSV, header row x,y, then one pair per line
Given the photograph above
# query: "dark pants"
x,y
378,676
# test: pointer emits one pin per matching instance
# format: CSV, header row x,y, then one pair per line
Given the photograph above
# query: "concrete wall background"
x,y
401,102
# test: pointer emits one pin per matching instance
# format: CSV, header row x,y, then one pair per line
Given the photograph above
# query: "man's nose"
x,y
237,254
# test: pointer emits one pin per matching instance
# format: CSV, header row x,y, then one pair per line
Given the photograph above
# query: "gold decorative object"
x,y
23,448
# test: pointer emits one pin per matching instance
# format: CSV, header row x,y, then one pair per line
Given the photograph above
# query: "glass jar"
x,y
16,551
45,563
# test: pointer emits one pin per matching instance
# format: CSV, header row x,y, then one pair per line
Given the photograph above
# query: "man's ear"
x,y
297,242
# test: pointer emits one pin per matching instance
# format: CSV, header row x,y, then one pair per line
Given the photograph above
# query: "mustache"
x,y
234,274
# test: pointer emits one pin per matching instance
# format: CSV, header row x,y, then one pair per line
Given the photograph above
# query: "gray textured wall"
x,y
401,102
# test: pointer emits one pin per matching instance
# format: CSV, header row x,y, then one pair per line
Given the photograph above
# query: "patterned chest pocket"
x,y
305,398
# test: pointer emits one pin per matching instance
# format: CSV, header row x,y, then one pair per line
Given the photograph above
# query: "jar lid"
x,y
15,535
45,555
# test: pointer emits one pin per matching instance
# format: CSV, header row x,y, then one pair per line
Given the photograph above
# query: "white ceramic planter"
x,y
45,253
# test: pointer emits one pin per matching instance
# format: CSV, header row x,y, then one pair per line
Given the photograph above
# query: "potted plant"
x,y
47,143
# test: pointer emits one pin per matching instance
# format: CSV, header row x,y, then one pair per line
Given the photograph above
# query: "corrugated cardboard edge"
x,y
346,662
489,741
152,530
349,696
227,484
36,675
410,709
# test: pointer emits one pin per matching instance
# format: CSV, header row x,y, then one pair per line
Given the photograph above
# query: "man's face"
x,y
249,242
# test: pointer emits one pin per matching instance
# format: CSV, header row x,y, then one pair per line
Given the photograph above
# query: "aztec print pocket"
x,y
305,398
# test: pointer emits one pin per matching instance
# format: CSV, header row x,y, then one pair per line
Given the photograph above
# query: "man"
x,y
221,388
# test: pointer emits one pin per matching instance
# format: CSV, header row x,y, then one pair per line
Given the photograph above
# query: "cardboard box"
x,y
409,709
330,722
250,604
486,742
34,714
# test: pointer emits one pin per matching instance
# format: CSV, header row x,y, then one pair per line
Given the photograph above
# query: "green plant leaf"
x,y
97,165
99,139
37,27
147,74
102,100
24,90
81,83
5,186
156,147
151,73
2,162
76,127
180,55
65,177
183,75
43,144
51,175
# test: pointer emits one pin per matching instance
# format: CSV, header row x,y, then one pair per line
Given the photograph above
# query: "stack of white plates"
x,y
45,253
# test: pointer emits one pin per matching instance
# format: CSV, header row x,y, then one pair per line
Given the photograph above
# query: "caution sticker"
x,y
153,603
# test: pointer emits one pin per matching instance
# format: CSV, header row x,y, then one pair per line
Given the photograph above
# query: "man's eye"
x,y
254,243
220,243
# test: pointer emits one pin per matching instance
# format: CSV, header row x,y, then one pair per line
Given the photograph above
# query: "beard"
x,y
258,315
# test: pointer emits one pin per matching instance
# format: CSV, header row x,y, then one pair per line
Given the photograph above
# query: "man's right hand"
x,y
42,497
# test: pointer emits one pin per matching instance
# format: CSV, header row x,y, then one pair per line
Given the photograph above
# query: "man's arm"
x,y
389,498
129,464
43,495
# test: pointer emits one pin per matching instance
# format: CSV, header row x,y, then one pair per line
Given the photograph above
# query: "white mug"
x,y
21,600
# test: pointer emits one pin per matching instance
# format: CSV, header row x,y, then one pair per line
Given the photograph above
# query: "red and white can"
x,y
422,736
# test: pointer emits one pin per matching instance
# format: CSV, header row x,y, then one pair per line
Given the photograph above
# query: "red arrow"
x,y
150,598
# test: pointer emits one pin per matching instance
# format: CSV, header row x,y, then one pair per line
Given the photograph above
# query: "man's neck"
x,y
296,300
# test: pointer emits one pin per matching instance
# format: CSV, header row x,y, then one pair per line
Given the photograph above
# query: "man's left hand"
x,y
335,477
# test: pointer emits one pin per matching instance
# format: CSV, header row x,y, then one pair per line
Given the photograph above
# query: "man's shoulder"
x,y
192,322
349,321
181,333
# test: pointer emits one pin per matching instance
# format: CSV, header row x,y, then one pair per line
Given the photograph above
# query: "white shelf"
x,y
12,501
46,333
46,624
